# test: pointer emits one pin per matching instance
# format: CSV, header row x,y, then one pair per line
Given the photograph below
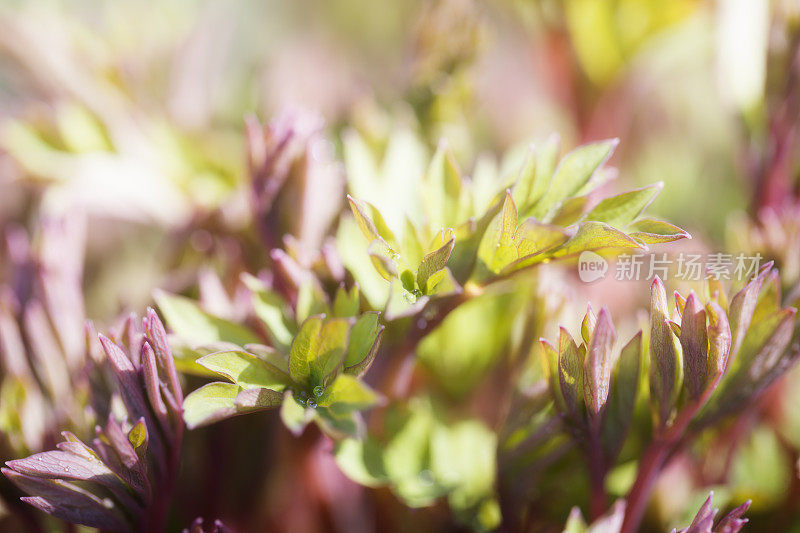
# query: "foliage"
x,y
389,293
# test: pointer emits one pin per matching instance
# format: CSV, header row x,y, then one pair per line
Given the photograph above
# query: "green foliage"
x,y
316,380
474,244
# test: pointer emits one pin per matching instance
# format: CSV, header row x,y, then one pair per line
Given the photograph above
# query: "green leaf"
x,y
442,195
719,341
598,364
573,172
370,220
294,415
694,343
361,461
363,339
432,263
346,303
348,394
340,424
330,353
540,172
463,457
384,259
273,311
666,366
570,374
138,434
210,403
461,351
191,323
742,307
304,348
406,457
442,283
258,399
525,179
575,522
412,244
622,399
569,212
588,324
590,236
651,231
620,210
764,343
497,249
534,237
246,370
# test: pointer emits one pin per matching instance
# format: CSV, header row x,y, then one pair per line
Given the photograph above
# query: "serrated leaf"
x,y
191,323
622,209
246,370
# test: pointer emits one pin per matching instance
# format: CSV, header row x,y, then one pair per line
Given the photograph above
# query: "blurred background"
x,y
128,116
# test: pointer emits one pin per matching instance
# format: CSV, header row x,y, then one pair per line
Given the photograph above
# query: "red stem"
x,y
658,452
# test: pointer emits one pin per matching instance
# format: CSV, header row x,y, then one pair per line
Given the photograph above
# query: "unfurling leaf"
x,y
694,341
665,358
570,375
597,366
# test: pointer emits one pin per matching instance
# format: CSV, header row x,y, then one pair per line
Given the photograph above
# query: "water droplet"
x,y
319,390
312,403
66,469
